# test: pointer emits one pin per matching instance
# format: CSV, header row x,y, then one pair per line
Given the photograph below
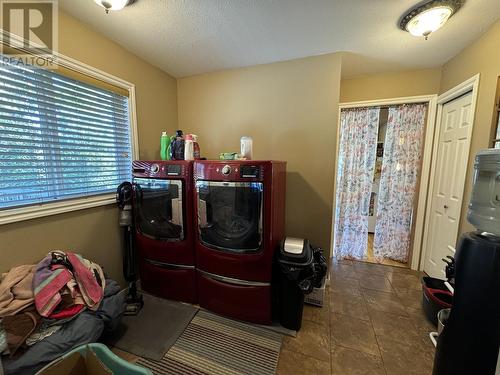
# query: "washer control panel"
x,y
230,170
226,170
155,168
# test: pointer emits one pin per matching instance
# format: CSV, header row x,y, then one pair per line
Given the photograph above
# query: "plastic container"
x,y
188,147
246,148
435,297
164,146
484,206
114,363
442,318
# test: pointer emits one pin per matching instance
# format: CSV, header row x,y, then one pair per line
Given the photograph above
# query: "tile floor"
x,y
372,323
370,257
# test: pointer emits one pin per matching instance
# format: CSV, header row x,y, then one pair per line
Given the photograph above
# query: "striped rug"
x,y
212,344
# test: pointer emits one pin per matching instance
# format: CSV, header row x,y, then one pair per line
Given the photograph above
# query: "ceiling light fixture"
x,y
113,4
429,17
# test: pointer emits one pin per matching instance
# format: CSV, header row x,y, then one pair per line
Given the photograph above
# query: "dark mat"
x,y
154,330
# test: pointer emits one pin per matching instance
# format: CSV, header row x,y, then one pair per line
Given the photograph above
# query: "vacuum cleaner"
x,y
124,195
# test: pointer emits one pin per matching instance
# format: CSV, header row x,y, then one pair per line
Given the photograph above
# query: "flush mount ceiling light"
x,y
113,4
429,17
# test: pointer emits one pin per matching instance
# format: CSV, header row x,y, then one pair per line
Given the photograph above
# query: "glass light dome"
x,y
429,21
113,4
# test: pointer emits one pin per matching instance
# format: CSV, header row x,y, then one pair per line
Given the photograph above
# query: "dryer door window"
x,y
158,208
230,215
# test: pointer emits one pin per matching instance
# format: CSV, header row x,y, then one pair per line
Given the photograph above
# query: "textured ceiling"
x,y
188,37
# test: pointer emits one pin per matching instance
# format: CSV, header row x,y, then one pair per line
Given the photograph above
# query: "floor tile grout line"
x,y
303,354
373,329
329,331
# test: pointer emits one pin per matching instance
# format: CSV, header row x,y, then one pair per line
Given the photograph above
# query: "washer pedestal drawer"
x,y
238,299
175,282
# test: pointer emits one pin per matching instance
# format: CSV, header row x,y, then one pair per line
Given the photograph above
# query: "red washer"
x,y
163,211
240,206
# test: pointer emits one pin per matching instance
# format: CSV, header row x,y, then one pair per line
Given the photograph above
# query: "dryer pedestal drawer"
x,y
234,298
169,281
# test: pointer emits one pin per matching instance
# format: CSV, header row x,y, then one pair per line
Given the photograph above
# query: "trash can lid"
x,y
293,245
295,251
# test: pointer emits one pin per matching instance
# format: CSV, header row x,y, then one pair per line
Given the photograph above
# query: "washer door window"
x,y
230,215
158,208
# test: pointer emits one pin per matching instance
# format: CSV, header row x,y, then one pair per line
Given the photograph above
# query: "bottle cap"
x,y
163,134
189,137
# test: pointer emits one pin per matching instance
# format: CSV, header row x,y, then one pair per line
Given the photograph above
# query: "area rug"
x,y
154,330
212,344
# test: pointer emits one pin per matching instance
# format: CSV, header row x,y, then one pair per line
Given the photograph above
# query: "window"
x,y
496,119
61,140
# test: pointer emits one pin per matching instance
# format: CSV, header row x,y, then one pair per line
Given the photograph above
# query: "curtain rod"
x,y
384,106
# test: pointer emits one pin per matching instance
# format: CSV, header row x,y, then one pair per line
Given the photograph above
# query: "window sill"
x,y
13,215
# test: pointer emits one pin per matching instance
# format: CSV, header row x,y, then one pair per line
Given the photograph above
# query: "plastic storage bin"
x,y
114,363
435,297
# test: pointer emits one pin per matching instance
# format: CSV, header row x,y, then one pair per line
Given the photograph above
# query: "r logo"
x,y
30,25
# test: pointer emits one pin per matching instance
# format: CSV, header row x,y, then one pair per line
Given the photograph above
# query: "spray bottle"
x,y
164,146
196,147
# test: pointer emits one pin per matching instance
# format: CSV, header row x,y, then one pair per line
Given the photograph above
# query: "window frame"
x,y
496,117
37,210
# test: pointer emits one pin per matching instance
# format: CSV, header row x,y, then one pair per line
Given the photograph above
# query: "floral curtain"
x,y
398,181
357,151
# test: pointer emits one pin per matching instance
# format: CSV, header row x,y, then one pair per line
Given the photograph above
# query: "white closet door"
x,y
449,182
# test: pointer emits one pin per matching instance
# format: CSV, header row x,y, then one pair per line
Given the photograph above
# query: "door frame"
x,y
470,85
431,101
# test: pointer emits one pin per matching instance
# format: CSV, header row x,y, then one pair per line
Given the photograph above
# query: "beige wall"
x,y
482,57
290,111
390,85
94,232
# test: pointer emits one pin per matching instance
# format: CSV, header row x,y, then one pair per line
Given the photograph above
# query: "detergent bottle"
x,y
196,147
164,146
188,147
177,149
169,148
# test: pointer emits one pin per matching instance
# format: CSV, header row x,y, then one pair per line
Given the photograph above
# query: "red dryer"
x,y
240,207
163,212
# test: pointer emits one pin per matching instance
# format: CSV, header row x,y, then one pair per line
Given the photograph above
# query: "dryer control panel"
x,y
232,170
161,169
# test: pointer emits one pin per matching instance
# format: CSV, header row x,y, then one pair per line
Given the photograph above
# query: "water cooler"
x,y
469,342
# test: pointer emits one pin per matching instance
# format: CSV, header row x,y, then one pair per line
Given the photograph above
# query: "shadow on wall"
x,y
308,215
93,232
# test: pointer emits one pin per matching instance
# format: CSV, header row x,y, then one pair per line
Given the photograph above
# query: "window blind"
x,y
60,138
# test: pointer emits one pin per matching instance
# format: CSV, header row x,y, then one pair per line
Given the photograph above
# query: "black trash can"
x,y
295,277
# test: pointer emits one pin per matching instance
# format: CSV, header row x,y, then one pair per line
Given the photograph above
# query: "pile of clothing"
x,y
49,308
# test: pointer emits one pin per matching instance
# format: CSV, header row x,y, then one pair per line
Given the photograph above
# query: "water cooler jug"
x,y
469,342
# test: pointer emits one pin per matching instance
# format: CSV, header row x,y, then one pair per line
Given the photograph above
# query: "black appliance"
x,y
470,340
